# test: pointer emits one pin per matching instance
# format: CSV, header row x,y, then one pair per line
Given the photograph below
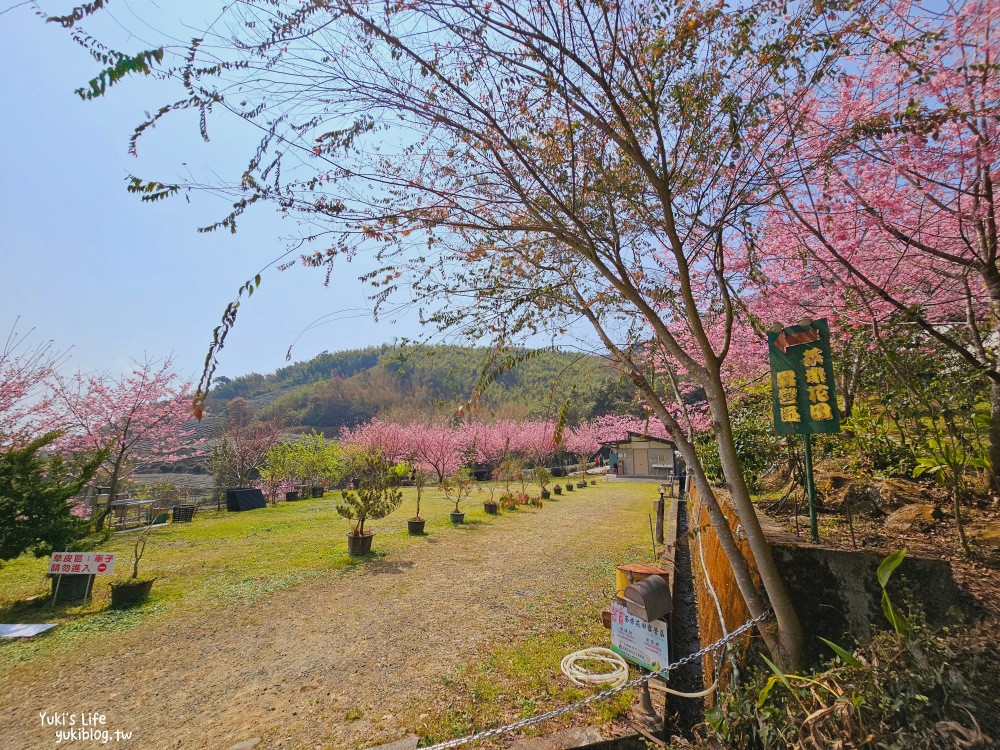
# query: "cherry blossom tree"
x,y
583,441
592,161
26,368
893,213
142,415
394,442
243,445
491,440
536,440
440,448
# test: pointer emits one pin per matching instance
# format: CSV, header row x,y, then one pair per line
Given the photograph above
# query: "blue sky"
x,y
90,267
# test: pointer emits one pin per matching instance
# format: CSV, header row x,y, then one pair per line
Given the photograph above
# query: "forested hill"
x,y
349,387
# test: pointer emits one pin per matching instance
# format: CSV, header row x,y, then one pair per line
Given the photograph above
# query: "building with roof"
x,y
643,456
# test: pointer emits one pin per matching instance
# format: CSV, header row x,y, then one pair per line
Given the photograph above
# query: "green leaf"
x,y
900,624
766,691
777,672
888,565
715,716
844,655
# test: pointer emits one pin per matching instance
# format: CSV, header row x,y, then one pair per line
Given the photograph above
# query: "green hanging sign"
x,y
802,384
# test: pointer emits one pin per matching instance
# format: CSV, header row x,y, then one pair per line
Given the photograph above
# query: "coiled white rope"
x,y
584,678
617,676
657,686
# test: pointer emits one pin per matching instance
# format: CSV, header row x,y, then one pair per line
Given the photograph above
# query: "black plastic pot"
x,y
293,495
545,494
457,517
72,588
415,526
317,491
581,485
359,545
557,490
593,482
569,487
491,508
130,593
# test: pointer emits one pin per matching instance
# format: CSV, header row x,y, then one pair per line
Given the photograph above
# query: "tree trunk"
x,y
734,555
791,643
783,637
958,520
994,436
112,488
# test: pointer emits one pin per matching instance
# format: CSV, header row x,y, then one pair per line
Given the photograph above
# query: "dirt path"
x,y
293,667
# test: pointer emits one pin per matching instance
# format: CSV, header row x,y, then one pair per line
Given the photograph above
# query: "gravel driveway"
x,y
335,663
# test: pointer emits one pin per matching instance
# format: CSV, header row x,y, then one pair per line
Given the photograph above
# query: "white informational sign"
x,y
642,643
82,563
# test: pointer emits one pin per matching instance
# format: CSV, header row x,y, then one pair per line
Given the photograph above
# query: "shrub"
x,y
35,512
919,692
376,495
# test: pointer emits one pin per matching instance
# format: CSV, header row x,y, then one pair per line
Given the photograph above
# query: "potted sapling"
x,y
491,506
507,473
542,479
456,488
134,589
416,524
557,488
376,497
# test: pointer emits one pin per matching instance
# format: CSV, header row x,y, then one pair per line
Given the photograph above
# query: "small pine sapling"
x,y
376,496
419,481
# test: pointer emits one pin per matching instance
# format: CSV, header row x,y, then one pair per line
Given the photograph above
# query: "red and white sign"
x,y
82,563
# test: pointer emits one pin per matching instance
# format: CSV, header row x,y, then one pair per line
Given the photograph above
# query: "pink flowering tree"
x,y
143,415
393,441
26,369
242,447
582,441
895,203
490,440
440,448
580,165
535,440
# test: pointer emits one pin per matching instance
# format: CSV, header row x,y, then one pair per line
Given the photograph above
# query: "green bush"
x,y
911,689
757,446
35,514
919,692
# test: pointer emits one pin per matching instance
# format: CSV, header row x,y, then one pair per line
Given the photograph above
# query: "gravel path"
x,y
326,665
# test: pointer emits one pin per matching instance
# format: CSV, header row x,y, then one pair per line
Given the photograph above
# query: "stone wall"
x,y
835,592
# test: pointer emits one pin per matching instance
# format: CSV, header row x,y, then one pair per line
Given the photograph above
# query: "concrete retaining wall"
x,y
835,592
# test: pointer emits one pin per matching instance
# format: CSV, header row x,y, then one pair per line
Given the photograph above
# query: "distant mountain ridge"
x,y
334,390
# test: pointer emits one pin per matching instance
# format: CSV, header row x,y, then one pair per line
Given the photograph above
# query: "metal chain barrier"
x,y
662,673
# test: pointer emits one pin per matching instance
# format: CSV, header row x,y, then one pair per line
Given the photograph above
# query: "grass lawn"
x,y
221,558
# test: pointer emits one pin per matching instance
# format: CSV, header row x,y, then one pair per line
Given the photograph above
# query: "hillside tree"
x,y
242,446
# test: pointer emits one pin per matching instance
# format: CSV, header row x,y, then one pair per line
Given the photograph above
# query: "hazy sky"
x,y
90,267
